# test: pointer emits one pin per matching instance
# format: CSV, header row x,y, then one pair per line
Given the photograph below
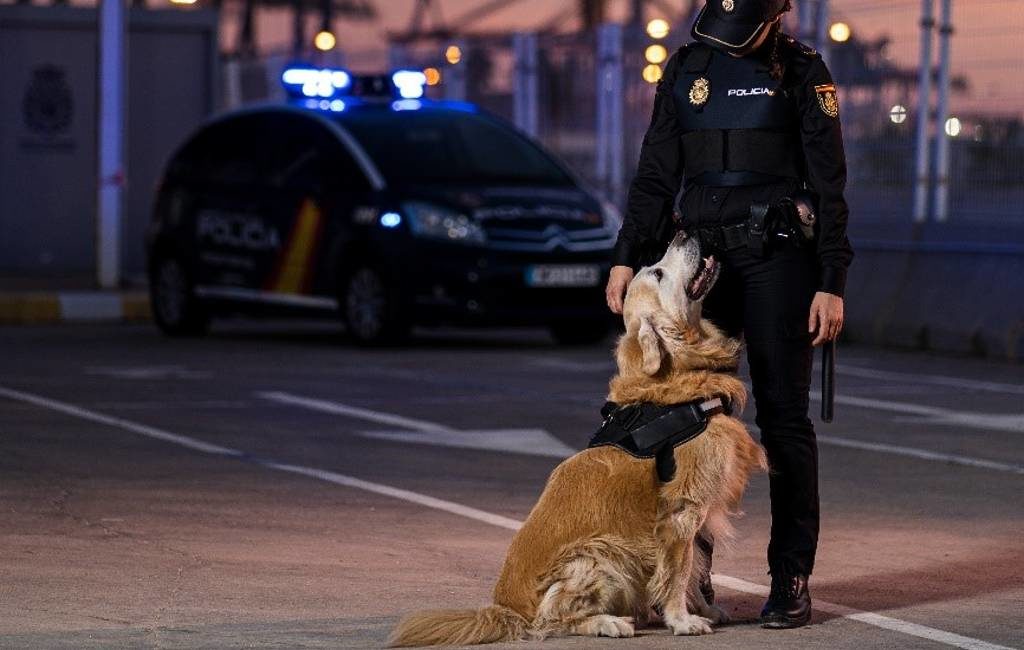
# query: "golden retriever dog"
x,y
607,543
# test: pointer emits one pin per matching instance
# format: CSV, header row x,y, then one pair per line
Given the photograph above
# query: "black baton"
x,y
828,381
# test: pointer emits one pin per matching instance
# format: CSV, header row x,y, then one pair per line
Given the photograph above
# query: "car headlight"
x,y
611,216
438,222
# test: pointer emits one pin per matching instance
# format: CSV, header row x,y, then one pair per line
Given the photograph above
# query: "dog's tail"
x,y
491,624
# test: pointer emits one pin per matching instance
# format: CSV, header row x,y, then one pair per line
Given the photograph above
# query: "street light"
x,y
324,40
432,75
898,114
953,127
658,28
453,54
652,73
656,53
840,32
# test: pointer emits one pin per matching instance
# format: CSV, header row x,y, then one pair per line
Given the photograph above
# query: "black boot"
x,y
789,603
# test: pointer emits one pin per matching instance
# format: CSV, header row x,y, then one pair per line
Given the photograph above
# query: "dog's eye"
x,y
658,273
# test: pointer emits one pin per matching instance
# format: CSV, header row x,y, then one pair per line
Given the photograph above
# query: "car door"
x,y
236,238
317,185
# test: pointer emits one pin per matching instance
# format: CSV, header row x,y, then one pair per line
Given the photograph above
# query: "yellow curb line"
x,y
39,308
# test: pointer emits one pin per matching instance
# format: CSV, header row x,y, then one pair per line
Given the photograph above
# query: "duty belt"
x,y
724,238
651,431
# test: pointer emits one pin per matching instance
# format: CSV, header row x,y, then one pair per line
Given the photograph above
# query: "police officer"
x,y
744,119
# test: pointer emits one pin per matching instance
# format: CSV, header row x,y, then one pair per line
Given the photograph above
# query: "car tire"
x,y
581,332
371,309
176,309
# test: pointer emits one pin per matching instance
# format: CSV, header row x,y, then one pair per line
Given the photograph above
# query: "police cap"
x,y
734,25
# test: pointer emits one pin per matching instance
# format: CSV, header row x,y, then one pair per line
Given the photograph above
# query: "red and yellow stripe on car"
x,y
295,266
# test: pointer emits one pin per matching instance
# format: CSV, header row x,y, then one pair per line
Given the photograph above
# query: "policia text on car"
x,y
746,121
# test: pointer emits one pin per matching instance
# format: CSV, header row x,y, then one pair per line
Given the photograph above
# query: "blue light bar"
x,y
409,83
305,81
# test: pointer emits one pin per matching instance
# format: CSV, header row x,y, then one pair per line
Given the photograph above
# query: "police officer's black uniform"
x,y
736,132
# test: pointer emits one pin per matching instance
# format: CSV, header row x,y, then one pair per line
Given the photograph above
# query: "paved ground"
x,y
270,486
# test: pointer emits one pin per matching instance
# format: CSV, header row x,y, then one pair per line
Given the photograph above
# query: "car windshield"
x,y
412,147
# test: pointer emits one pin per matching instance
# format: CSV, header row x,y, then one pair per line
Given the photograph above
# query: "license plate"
x,y
563,275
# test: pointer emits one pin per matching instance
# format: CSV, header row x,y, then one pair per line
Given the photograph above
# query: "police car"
x,y
363,199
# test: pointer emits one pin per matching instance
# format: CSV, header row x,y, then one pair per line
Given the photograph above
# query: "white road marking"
x,y
127,425
335,408
937,380
922,454
558,363
869,618
532,442
397,493
538,442
147,372
1014,423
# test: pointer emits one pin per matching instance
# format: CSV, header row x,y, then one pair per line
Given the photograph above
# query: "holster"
x,y
758,228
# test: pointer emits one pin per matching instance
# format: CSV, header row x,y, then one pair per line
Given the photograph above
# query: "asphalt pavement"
x,y
272,486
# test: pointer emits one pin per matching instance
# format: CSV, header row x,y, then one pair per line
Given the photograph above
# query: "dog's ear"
x,y
650,347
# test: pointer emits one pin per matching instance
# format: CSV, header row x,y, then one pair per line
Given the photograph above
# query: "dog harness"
x,y
646,430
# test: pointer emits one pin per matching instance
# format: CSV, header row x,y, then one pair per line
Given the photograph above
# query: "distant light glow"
x,y
898,114
390,219
409,83
652,73
183,2
656,54
406,105
953,127
453,54
337,105
433,76
658,28
324,40
840,32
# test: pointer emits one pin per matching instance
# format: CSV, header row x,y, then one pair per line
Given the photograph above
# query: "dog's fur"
x,y
607,542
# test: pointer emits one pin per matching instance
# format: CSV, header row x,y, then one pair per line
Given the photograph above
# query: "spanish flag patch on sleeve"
x,y
827,99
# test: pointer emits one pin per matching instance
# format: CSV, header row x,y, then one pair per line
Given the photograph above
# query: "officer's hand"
x,y
826,317
618,282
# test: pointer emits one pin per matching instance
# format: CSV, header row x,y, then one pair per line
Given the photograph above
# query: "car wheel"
x,y
582,332
176,310
371,312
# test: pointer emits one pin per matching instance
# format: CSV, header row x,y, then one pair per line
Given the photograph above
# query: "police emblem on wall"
x,y
47,105
828,100
700,91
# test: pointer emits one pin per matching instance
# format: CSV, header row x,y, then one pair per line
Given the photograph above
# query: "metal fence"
x,y
584,96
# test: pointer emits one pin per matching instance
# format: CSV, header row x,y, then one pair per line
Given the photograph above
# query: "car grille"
x,y
550,238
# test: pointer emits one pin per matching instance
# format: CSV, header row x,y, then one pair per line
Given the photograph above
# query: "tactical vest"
x,y
740,126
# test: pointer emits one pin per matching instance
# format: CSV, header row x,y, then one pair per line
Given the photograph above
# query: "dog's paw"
x,y
611,626
688,625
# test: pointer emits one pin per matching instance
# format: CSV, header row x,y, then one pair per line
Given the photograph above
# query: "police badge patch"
x,y
827,99
700,91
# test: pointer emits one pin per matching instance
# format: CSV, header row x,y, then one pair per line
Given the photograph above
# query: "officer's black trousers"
x,y
767,300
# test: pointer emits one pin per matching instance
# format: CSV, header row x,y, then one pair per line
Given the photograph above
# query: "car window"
x,y
450,147
272,150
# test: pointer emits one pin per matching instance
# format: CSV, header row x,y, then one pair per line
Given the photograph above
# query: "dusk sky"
x,y
988,46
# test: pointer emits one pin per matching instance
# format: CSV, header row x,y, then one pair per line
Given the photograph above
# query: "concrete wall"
x,y
48,63
948,296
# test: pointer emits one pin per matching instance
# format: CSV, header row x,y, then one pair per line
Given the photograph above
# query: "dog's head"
x,y
663,305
